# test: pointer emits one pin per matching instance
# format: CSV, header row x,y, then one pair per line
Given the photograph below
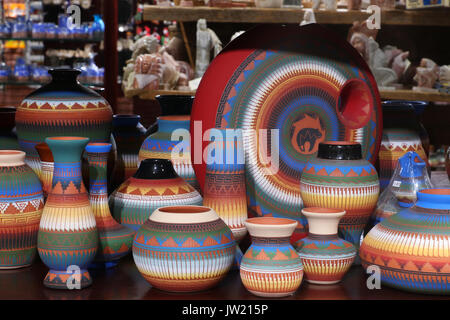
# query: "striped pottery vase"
x,y
154,185
396,143
61,108
115,240
21,204
326,258
128,134
184,249
225,182
8,136
338,178
271,267
47,167
411,248
67,238
164,144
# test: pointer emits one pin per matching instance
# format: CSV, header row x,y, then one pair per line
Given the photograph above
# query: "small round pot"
x,y
326,258
271,267
184,249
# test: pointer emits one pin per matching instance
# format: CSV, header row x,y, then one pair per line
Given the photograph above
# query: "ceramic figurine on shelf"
x,y
154,185
271,267
225,190
411,248
8,136
326,258
427,73
329,4
388,64
206,41
61,108
163,144
67,238
338,178
184,249
115,240
308,17
21,204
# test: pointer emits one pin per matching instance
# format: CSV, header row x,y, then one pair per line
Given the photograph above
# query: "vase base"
x,y
323,282
103,264
15,267
66,280
271,294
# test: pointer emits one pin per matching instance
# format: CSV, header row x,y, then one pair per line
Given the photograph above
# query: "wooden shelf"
x,y
385,94
290,15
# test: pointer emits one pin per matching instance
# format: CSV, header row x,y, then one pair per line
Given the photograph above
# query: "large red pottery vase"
x,y
184,249
21,204
411,248
338,178
61,108
67,238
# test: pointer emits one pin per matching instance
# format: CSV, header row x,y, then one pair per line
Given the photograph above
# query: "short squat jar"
x,y
326,257
271,267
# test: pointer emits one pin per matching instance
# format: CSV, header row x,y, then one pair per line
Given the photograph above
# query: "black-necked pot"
x,y
128,135
155,184
8,136
62,107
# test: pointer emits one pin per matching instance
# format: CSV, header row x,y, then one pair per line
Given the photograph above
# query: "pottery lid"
x,y
339,150
270,227
155,169
11,158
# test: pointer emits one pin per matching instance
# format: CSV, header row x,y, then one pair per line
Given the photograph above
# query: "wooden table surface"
x,y
124,282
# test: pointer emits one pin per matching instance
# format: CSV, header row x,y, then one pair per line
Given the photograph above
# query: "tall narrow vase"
x,y
47,167
326,258
21,204
160,145
271,267
338,178
115,240
128,134
67,238
225,182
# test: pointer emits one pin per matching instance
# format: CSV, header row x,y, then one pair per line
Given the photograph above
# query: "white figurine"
x,y
308,17
427,73
206,40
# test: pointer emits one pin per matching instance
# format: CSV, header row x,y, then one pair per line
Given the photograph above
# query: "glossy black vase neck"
x,y
155,169
174,105
64,75
399,114
336,151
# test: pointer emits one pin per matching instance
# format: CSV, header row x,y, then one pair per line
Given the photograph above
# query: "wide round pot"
x,y
21,204
411,248
61,108
184,249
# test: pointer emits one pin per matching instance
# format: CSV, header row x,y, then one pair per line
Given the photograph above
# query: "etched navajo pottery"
x,y
128,134
61,108
338,178
326,258
166,144
154,185
271,267
184,249
67,238
115,240
21,204
411,248
8,136
47,167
